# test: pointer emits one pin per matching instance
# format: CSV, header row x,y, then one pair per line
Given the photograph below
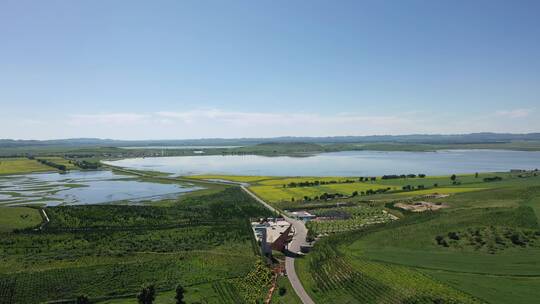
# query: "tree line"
x,y
330,196
395,176
83,164
147,295
52,164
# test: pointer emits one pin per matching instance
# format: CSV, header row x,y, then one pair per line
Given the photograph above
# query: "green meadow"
x,y
288,192
485,247
481,246
108,252
12,218
21,165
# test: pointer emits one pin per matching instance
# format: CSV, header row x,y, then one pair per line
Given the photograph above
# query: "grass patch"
x,y
278,193
61,161
108,252
233,178
448,190
18,218
284,293
493,289
332,277
21,165
491,252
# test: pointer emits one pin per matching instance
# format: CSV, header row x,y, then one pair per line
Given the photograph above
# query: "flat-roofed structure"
x,y
271,234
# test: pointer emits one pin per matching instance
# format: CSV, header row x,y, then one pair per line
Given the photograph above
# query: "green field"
x,y
61,161
276,194
233,178
18,218
440,190
107,252
21,165
287,192
484,248
288,297
341,219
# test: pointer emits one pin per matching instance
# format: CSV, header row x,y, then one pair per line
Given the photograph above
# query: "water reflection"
x,y
82,187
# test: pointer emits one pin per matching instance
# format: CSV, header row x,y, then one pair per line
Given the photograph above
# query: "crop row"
x,y
254,286
121,278
364,281
343,225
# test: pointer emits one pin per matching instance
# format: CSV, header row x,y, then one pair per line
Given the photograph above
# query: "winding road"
x,y
299,239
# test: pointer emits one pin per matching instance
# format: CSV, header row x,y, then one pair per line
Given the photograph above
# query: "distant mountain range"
x,y
473,138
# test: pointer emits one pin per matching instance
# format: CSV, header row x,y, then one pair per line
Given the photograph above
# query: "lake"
x,y
348,163
180,147
82,187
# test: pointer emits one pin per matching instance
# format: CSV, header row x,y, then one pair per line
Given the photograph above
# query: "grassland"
x,y
275,194
233,178
341,219
288,297
21,165
279,192
12,218
441,190
484,248
107,252
203,242
61,161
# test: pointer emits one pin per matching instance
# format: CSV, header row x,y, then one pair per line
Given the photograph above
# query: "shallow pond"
x,y
349,163
82,187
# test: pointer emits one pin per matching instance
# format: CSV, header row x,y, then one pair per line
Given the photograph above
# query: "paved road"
x,y
299,239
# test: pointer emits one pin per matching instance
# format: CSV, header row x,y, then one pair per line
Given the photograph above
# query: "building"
x,y
271,234
303,215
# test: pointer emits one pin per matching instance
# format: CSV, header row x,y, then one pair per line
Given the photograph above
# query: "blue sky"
x,y
191,69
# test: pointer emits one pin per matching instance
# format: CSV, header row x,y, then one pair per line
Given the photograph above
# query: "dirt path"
x,y
45,219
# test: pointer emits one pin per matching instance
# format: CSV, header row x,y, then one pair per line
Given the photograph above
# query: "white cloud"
x,y
515,113
260,118
115,119
206,123
219,123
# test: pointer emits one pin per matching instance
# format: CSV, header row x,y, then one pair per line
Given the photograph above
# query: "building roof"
x,y
302,214
274,229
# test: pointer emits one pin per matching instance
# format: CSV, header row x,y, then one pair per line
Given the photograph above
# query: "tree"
x,y
282,291
147,294
476,175
82,299
180,295
453,177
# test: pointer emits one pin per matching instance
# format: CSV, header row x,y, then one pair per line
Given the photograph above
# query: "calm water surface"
x,y
82,187
181,147
350,163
